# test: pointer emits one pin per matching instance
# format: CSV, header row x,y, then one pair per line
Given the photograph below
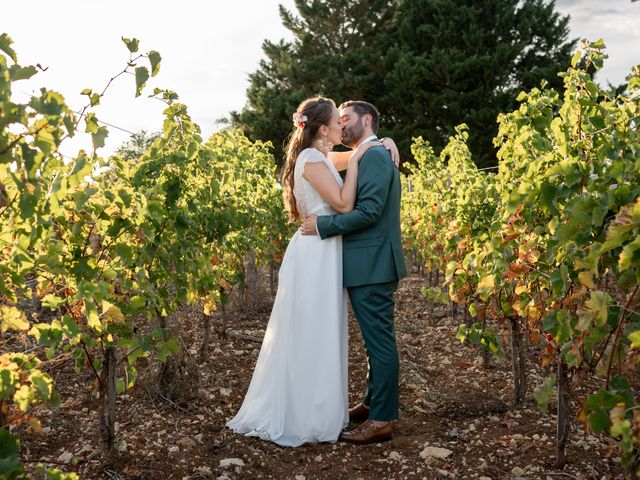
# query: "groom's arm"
x,y
374,180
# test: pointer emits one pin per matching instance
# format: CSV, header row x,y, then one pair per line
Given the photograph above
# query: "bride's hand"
x,y
359,152
390,145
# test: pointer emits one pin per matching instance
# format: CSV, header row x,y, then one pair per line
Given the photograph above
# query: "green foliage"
x,y
12,319
480,335
154,61
100,242
10,466
466,62
142,75
436,295
613,410
132,44
544,392
551,240
56,474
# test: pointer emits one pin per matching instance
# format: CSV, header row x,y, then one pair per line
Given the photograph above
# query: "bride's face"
x,y
334,128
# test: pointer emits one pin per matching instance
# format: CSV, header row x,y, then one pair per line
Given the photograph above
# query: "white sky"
x,y
208,49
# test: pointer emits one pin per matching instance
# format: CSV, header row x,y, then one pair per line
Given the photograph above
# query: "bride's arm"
x,y
340,159
323,181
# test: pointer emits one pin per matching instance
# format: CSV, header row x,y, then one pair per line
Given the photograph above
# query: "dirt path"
x,y
449,402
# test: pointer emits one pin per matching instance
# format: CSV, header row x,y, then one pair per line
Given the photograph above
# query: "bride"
x,y
298,392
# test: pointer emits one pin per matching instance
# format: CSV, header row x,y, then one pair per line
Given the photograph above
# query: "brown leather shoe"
x,y
359,413
367,433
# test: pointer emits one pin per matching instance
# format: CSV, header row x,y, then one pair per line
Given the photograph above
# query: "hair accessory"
x,y
299,119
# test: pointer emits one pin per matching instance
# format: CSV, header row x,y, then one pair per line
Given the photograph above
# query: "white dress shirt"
x,y
368,139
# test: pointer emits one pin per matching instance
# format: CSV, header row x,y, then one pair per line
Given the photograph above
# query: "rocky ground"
x,y
457,418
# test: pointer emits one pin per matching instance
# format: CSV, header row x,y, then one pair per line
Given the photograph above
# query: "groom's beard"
x,y
352,136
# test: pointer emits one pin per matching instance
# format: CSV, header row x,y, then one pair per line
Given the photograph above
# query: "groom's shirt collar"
x,y
368,139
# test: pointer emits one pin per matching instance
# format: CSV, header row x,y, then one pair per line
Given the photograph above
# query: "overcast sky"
x,y
208,49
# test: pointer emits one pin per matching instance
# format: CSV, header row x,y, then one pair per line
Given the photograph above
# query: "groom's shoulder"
x,y
378,152
377,157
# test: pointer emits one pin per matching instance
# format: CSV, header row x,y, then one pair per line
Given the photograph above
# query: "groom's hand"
x,y
309,225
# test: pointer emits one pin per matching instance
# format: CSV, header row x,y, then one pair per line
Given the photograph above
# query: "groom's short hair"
x,y
362,108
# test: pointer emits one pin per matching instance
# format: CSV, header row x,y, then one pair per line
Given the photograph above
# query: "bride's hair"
x,y
318,112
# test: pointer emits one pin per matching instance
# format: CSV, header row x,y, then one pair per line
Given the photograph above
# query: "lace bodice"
x,y
308,199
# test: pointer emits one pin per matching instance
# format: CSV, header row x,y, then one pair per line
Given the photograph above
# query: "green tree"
x,y
462,61
331,55
136,145
428,65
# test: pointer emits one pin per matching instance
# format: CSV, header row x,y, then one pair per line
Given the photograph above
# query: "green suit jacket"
x,y
371,244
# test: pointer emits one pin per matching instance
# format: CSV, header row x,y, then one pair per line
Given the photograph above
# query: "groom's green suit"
x,y
373,264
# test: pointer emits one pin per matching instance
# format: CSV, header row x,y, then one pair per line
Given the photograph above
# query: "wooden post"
x,y
563,421
166,370
518,362
107,403
223,301
204,346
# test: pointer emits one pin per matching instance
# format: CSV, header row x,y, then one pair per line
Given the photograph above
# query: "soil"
x,y
447,400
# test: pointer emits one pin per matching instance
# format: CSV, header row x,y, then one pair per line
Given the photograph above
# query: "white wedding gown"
x,y
298,392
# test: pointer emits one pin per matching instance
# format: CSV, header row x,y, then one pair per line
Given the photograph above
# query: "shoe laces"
x,y
365,429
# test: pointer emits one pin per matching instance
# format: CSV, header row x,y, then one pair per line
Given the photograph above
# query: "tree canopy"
x,y
428,65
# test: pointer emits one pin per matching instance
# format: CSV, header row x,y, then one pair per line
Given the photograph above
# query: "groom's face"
x,y
353,130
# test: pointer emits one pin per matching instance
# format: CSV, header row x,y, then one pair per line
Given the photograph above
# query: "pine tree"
x,y
465,61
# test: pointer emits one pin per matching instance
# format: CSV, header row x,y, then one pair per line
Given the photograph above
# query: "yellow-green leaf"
x,y
520,289
111,313
13,319
586,279
635,339
93,319
131,43
576,58
595,309
486,285
52,301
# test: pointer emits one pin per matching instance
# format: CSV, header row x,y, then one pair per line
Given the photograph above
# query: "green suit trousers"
x,y
373,306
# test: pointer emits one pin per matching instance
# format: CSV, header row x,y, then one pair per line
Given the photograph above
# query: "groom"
x,y
372,266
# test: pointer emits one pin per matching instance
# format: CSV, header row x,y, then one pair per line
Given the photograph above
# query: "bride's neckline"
x,y
318,150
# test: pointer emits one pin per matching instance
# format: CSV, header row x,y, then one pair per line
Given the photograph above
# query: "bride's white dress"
x,y
298,392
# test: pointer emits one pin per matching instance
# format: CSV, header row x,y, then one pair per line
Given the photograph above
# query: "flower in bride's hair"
x,y
299,119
